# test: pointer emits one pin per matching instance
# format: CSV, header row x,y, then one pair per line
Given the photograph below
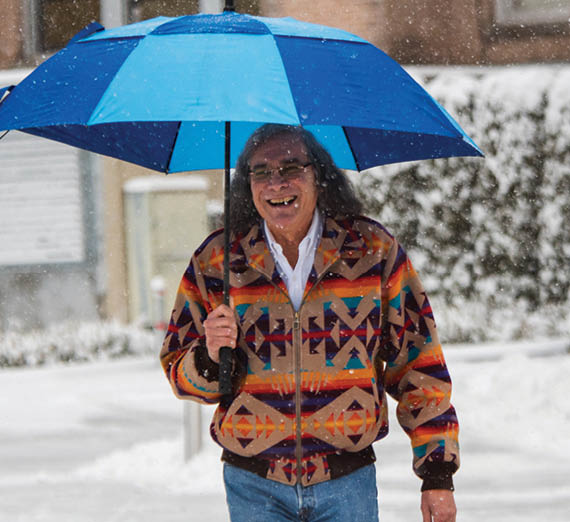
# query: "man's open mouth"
x,y
277,202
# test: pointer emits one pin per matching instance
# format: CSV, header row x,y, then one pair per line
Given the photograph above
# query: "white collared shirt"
x,y
296,278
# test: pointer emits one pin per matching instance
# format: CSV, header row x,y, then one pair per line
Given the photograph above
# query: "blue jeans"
x,y
252,498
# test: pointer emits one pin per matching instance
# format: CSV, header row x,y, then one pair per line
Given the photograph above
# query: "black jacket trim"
x,y
339,464
206,368
438,475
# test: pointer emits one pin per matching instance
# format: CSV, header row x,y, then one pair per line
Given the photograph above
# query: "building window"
x,y
50,24
59,20
532,12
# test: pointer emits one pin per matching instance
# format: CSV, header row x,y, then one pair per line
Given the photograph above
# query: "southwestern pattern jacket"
x,y
316,380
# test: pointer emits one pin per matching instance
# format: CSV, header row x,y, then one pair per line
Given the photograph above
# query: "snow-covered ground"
x,y
103,442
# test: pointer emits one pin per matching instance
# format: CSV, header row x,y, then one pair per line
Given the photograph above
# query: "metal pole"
x,y
210,6
229,6
192,419
112,13
158,289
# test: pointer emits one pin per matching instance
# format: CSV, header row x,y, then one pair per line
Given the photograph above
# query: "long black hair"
x,y
336,197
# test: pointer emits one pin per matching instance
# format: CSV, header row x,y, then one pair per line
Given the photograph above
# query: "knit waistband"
x,y
338,464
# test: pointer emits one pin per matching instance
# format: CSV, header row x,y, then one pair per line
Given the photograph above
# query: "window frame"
x,y
112,13
508,14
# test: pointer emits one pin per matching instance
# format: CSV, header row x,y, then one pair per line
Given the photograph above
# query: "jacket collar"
x,y
339,240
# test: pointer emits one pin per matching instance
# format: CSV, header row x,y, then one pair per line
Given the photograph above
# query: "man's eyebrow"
x,y
292,160
286,161
257,165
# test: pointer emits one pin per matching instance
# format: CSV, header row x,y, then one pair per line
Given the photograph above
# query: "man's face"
x,y
287,203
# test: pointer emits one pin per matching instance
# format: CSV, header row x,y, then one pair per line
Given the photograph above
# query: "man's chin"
x,y
282,223
281,216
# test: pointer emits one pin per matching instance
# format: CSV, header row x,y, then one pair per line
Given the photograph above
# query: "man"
x,y
327,316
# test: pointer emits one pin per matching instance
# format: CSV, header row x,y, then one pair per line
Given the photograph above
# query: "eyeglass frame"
x,y
268,173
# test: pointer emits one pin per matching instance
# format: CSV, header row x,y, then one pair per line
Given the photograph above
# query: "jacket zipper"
x,y
297,343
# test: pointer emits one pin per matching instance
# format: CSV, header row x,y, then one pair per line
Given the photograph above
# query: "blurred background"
x,y
86,238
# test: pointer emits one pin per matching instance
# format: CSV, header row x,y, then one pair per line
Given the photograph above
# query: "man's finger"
x,y
221,311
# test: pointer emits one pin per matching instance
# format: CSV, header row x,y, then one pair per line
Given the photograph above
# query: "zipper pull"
x,y
296,321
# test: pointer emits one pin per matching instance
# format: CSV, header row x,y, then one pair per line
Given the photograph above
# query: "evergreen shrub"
x,y
490,237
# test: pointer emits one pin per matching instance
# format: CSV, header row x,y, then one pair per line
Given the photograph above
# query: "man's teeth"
x,y
282,201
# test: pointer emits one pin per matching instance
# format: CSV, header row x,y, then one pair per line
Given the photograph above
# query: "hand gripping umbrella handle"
x,y
226,359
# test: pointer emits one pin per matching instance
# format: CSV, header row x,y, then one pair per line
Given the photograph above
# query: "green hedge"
x,y
490,237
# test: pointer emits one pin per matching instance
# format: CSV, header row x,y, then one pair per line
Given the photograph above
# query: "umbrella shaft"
x,y
229,6
227,214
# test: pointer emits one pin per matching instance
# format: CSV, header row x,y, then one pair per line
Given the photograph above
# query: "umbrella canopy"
x,y
158,93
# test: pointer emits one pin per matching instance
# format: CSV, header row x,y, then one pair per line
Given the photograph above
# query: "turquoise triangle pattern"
x,y
354,363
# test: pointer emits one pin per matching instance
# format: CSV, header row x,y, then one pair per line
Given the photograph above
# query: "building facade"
x,y
474,32
93,267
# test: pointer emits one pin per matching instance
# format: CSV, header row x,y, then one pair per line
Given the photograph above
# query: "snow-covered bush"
x,y
74,342
490,237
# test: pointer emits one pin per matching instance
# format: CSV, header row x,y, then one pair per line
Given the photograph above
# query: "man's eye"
x,y
291,170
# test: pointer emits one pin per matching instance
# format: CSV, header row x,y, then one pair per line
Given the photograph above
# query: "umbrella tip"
x,y
4,92
93,27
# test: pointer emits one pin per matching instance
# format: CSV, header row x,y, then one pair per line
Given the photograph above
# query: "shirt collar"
x,y
313,234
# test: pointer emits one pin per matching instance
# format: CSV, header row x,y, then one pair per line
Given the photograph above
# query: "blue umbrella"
x,y
166,93
158,93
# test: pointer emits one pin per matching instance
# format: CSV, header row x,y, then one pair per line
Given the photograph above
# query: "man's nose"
x,y
276,178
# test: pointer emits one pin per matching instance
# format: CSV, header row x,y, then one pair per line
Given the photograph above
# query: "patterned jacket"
x,y
312,397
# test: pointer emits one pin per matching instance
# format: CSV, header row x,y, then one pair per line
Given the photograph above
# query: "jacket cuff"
x,y
438,475
205,367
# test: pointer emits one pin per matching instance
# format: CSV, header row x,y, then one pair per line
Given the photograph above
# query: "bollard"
x,y
191,416
157,290
192,419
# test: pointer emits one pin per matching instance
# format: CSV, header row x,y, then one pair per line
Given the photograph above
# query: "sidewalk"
x,y
102,442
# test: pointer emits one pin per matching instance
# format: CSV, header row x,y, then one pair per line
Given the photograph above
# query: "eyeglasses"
x,y
288,172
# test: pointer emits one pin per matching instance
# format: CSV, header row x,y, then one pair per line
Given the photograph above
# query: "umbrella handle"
x,y
226,360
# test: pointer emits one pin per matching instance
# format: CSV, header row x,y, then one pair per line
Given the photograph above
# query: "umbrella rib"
x,y
351,149
172,149
320,39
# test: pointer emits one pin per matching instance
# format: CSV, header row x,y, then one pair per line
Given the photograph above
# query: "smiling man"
x,y
327,316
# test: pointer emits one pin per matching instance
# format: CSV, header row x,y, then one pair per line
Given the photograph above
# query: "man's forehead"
x,y
282,147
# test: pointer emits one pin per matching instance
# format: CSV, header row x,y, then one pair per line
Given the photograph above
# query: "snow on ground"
x,y
103,441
